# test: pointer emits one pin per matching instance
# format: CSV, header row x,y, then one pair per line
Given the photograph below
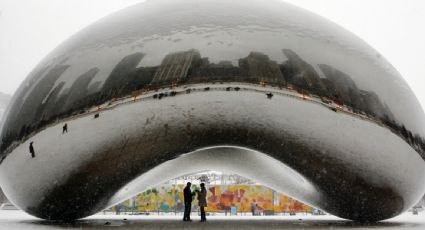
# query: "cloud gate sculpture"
x,y
259,88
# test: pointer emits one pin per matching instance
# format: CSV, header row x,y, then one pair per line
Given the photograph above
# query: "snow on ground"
x,y
14,220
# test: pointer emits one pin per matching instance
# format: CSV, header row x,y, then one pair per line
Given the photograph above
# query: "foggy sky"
x,y
29,30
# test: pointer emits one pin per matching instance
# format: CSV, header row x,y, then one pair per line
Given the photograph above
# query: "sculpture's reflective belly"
x,y
167,88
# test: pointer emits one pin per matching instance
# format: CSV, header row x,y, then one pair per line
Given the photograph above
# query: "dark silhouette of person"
x,y
269,95
188,198
202,199
253,209
65,128
32,150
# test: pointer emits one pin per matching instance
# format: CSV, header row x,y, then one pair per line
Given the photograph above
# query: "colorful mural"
x,y
221,198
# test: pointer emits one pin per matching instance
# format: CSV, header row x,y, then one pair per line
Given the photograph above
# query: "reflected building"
x,y
301,74
257,67
316,115
175,67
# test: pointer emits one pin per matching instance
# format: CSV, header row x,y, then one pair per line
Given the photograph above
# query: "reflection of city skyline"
x,y
52,102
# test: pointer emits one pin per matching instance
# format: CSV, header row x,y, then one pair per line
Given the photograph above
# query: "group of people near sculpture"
x,y
188,198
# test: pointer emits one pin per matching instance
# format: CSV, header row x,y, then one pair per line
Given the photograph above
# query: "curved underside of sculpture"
x,y
267,91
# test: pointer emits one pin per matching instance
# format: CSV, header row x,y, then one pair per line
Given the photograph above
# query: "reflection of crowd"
x,y
254,209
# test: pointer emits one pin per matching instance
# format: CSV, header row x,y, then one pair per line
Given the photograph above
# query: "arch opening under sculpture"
x,y
247,163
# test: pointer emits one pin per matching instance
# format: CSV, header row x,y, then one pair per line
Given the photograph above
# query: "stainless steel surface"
x,y
259,88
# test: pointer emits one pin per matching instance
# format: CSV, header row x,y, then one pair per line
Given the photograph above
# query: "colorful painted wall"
x,y
169,198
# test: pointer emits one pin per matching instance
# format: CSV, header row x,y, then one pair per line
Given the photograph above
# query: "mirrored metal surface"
x,y
128,96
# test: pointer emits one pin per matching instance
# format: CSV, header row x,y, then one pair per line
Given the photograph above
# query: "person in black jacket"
x,y
65,128
188,198
32,150
202,198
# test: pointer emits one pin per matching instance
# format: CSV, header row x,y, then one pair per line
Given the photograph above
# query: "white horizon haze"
x,y
29,30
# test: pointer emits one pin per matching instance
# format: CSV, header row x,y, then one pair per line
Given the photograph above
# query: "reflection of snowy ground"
x,y
14,220
90,140
241,87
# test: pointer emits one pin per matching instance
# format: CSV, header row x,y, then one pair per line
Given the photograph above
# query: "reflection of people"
x,y
118,209
233,210
188,197
65,128
32,150
269,95
202,199
253,209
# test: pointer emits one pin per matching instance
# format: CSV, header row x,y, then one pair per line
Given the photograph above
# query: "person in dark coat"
x,y
269,95
32,150
202,199
188,198
65,128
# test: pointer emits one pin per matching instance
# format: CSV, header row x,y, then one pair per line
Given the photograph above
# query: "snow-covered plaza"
x,y
14,220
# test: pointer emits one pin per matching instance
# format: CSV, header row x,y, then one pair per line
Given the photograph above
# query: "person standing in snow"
x,y
188,197
32,150
65,128
202,199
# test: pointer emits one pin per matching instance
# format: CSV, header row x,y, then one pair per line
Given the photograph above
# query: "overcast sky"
x,y
30,29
